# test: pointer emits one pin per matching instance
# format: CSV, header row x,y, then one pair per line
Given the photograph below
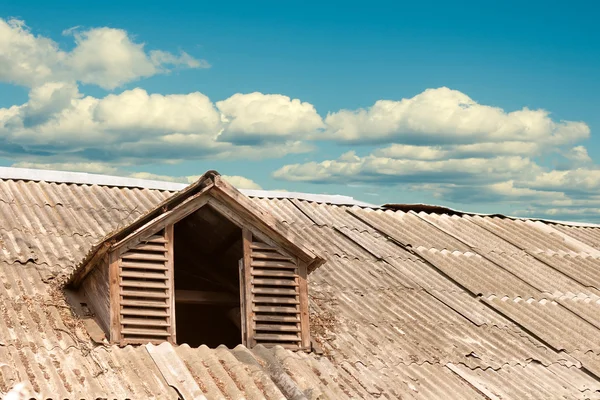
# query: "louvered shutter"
x,y
145,284
274,304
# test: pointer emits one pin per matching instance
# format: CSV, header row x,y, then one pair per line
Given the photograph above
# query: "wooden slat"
x,y
275,318
144,275
144,293
270,255
143,265
285,345
274,282
274,291
277,328
304,317
145,332
155,239
277,337
261,246
144,256
150,247
282,310
144,303
273,264
143,312
275,274
144,322
275,300
144,284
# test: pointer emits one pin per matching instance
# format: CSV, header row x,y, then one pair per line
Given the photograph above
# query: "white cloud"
x,y
131,127
256,117
90,167
448,116
105,57
241,182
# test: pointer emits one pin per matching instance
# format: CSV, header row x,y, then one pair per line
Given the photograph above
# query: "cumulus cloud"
x,y
106,57
256,117
448,116
131,127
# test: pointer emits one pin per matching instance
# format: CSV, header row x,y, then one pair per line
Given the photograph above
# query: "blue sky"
x,y
489,108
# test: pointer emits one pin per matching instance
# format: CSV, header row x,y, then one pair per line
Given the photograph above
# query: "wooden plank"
x,y
170,264
143,275
144,303
304,314
115,298
277,337
275,274
277,328
163,220
150,247
285,345
144,322
276,318
273,264
261,246
96,289
144,293
274,282
145,332
242,300
143,284
247,252
269,309
155,239
144,265
143,313
270,256
275,291
131,255
274,300
200,297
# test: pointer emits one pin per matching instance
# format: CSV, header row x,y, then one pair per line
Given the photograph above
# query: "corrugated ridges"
x,y
395,302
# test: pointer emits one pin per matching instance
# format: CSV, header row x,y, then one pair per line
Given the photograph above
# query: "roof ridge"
x,y
85,178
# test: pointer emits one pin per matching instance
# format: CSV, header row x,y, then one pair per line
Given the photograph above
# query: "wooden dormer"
x,y
207,266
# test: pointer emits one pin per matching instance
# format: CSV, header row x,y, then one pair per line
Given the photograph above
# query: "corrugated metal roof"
x,y
400,307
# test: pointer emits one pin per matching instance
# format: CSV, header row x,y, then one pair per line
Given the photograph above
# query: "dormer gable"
x,y
206,266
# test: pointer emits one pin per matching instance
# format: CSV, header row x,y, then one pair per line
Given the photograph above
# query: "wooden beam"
x,y
115,298
249,341
184,209
205,298
170,238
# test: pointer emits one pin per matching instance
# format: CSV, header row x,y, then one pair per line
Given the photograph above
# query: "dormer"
x,y
206,266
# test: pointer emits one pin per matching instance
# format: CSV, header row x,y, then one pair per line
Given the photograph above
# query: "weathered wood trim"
x,y
98,256
115,298
247,246
243,318
170,238
304,312
260,218
96,291
168,218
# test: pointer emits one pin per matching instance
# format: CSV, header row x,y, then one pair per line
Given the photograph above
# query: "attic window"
x,y
201,275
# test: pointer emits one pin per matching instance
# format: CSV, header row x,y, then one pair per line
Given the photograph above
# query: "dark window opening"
x,y
207,250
